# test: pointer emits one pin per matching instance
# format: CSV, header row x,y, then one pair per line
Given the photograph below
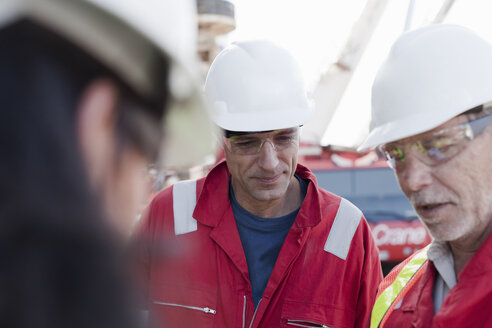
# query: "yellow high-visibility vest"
x,y
394,293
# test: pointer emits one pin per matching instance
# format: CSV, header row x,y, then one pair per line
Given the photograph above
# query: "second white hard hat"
x,y
431,75
257,86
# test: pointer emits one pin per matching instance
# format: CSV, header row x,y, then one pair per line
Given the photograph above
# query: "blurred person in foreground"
x,y
256,243
431,116
84,88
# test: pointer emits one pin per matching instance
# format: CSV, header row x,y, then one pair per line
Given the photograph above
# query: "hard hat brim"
x,y
413,125
263,121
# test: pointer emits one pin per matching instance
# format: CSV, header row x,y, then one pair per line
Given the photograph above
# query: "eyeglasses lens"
x,y
250,145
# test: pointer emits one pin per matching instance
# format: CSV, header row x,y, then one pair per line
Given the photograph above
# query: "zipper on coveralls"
x,y
254,314
305,323
203,309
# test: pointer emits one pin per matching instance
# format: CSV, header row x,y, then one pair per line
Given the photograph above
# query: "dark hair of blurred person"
x,y
84,87
60,264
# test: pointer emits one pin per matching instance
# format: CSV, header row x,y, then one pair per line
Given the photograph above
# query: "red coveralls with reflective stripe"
x,y
468,304
200,278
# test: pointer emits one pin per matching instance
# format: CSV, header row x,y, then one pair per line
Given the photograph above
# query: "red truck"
x,y
367,181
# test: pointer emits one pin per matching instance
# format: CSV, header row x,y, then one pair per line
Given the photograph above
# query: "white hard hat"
x,y
431,75
257,86
123,35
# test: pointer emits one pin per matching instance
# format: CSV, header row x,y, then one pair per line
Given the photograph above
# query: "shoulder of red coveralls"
x,y
156,213
162,201
365,228
161,206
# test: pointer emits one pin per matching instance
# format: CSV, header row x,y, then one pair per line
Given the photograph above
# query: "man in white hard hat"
x,y
431,116
84,88
257,243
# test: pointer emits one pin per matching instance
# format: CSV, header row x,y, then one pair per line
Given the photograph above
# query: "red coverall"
x,y
200,278
468,303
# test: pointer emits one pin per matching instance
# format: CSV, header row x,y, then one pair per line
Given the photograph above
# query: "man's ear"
x,y
96,129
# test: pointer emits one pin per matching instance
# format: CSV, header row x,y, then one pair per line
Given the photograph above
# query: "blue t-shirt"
x,y
262,239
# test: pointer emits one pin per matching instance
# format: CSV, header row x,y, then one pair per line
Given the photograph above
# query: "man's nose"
x,y
268,157
413,175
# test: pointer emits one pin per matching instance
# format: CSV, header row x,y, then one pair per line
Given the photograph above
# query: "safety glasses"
x,y
251,144
436,147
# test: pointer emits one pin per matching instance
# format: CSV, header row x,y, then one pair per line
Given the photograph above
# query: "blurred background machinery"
x,y
215,17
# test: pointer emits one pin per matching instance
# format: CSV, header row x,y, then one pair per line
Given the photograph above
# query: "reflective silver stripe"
x,y
343,229
184,201
254,314
304,323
